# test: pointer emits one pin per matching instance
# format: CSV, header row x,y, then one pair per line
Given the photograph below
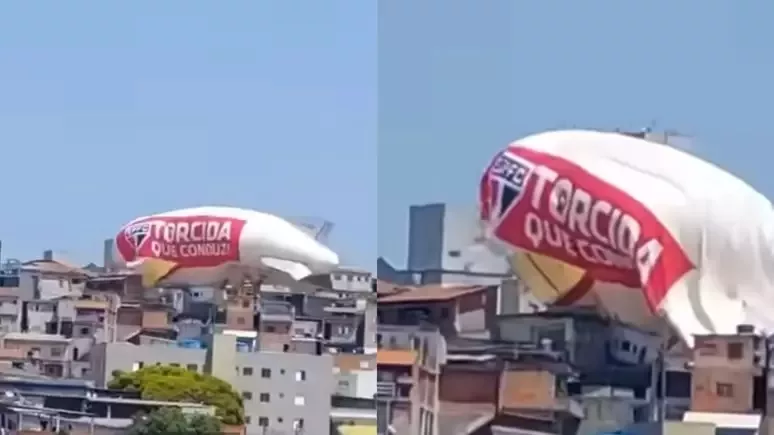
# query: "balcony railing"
x,y
385,389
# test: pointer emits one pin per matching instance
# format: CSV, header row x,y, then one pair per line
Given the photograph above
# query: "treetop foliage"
x,y
175,384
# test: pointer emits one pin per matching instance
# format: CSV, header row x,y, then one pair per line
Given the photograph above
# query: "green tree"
x,y
172,421
175,384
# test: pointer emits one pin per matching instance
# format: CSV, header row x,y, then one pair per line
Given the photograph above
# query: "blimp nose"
x,y
324,261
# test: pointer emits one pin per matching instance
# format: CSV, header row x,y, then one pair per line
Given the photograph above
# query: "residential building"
x,y
46,405
344,320
724,371
282,391
355,375
287,353
354,416
49,354
240,304
393,387
124,283
455,309
350,279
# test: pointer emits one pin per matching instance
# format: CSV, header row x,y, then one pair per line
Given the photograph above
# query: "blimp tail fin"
x,y
152,270
320,232
297,271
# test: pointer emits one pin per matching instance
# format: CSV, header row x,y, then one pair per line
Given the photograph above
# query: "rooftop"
x,y
55,267
34,336
429,293
396,357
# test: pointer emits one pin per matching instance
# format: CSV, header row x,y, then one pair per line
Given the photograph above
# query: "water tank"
x,y
190,344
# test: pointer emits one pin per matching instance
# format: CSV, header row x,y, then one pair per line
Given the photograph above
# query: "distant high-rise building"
x,y
442,245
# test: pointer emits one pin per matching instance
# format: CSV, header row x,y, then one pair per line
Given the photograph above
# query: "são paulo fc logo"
x,y
137,234
508,177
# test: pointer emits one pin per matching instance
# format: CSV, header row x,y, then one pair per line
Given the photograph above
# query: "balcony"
x,y
391,391
346,307
274,311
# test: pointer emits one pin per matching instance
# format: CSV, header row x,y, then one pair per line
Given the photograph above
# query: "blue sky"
x,y
459,81
110,110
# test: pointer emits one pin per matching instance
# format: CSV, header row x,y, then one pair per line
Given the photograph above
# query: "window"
x,y
285,347
245,304
56,351
707,348
84,331
724,390
263,421
266,373
735,350
299,401
378,340
264,397
192,367
626,346
300,375
247,395
247,419
247,371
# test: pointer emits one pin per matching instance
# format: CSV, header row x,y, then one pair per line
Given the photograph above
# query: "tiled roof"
x,y
429,293
349,362
386,288
395,357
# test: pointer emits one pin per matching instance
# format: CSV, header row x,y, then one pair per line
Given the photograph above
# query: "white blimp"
x,y
641,230
206,246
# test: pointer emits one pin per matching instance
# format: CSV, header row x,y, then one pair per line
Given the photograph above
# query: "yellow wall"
x,y
357,429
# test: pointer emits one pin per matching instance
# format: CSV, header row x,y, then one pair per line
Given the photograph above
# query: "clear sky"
x,y
459,79
110,110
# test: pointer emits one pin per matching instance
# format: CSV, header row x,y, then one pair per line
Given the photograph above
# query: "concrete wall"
x,y
107,357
